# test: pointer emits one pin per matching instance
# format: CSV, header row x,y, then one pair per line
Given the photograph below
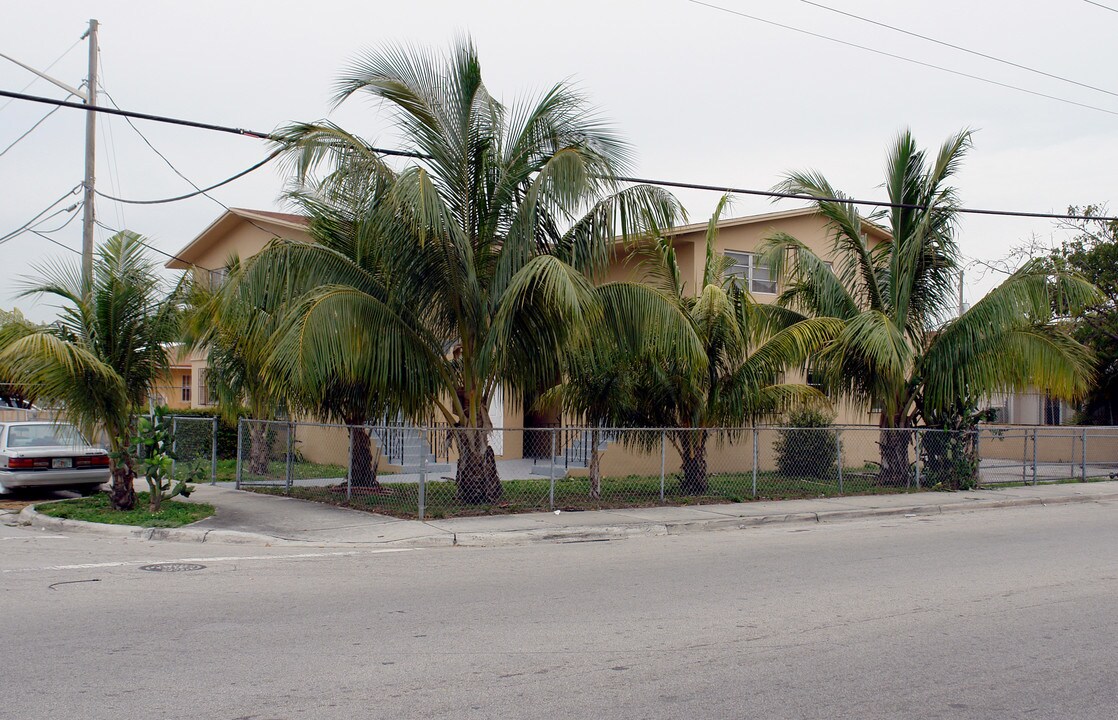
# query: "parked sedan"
x,y
51,455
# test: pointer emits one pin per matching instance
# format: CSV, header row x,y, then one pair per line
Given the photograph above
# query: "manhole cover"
x,y
172,567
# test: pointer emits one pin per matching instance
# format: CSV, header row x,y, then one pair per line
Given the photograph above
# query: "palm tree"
x,y
900,350
235,337
465,272
738,376
102,356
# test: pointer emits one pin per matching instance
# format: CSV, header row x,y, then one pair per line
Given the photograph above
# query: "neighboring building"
x,y
741,240
237,232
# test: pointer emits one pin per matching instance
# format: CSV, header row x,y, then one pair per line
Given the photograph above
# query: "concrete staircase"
x,y
405,445
575,454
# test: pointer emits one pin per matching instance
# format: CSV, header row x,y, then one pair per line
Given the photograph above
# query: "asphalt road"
x,y
996,614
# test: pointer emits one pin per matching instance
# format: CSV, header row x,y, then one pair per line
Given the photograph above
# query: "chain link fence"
x,y
439,471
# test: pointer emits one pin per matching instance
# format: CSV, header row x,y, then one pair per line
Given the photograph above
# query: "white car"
x,y
49,455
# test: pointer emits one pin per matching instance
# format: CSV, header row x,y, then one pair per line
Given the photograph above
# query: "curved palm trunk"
x,y
363,468
693,453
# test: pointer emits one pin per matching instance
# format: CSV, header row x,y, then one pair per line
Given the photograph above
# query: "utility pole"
x,y
88,215
960,292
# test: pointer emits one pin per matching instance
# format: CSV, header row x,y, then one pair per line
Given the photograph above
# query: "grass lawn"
x,y
402,499
277,469
95,508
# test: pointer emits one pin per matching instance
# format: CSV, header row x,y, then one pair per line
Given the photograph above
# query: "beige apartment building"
x,y
243,232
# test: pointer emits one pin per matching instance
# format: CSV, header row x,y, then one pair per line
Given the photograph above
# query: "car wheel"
x,y
87,490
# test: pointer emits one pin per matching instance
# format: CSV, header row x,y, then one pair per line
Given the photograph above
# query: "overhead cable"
x,y
646,181
867,48
958,47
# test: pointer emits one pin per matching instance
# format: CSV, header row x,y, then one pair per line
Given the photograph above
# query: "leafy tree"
x,y
155,436
900,349
738,376
1093,253
101,357
465,271
235,336
11,394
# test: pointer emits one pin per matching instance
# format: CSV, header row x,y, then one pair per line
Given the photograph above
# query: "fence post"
x,y
918,434
1034,456
290,464
349,460
663,452
240,435
1084,466
755,431
838,457
174,442
423,474
213,455
551,474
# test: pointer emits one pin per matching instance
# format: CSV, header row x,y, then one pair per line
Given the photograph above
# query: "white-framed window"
x,y
186,388
757,278
218,277
204,388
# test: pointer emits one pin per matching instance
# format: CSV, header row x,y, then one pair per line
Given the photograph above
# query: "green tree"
x,y
900,348
1093,253
11,394
738,377
235,337
109,345
465,271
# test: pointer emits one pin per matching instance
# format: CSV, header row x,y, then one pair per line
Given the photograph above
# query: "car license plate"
x,y
61,463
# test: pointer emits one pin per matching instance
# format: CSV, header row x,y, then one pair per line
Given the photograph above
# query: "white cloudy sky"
x,y
704,96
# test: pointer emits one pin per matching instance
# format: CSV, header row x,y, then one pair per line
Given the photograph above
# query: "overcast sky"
x,y
704,96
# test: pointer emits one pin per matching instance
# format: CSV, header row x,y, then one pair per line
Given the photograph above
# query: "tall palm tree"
x,y
466,271
739,376
101,357
900,348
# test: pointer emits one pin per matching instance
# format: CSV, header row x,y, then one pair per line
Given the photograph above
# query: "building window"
x,y
816,380
1051,411
756,278
218,278
186,388
204,397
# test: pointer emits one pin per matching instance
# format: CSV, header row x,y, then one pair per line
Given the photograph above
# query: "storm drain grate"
x,y
172,567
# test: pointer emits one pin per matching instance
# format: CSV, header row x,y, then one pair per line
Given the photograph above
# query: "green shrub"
x,y
806,449
226,432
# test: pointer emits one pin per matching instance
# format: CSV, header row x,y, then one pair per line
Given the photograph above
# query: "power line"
x,y
958,47
1104,7
32,221
161,155
48,238
201,191
900,57
646,181
164,253
28,132
850,201
46,69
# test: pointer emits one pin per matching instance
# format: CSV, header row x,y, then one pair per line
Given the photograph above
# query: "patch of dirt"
x,y
15,505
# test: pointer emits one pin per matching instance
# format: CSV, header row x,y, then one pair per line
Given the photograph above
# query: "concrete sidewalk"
x,y
251,518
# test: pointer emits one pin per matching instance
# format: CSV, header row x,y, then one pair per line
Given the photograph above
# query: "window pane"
x,y
740,268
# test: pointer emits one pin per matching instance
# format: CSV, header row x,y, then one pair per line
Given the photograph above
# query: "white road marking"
x,y
37,537
227,558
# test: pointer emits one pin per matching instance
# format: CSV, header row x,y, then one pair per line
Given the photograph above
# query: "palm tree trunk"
x,y
894,444
258,449
363,471
693,452
595,467
122,494
477,478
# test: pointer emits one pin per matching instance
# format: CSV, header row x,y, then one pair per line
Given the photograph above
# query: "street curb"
x,y
503,538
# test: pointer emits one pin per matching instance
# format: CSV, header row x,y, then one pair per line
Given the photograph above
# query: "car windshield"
x,y
27,436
